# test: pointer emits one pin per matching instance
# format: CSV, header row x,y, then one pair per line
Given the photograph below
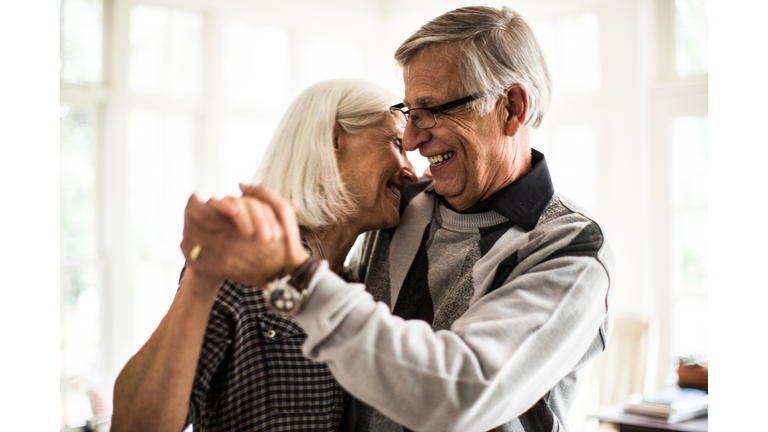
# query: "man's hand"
x,y
246,240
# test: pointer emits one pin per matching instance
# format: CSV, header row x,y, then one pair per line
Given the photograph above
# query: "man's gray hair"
x,y
499,50
300,162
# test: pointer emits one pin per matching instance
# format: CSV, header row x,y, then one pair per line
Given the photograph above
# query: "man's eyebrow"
x,y
424,101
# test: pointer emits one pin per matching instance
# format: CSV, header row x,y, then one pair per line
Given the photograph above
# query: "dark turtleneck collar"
x,y
521,201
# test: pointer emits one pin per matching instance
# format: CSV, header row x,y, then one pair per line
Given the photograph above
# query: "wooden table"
x,y
628,422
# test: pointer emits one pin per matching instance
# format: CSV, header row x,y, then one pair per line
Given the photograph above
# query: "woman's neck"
x,y
335,243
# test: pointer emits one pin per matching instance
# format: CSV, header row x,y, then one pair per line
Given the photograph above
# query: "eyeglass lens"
x,y
399,117
421,118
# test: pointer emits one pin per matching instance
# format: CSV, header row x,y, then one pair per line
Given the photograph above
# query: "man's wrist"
x,y
286,295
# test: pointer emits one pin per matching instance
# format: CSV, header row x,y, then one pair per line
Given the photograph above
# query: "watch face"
x,y
282,297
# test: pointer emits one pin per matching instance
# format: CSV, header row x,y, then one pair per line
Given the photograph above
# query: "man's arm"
x,y
506,352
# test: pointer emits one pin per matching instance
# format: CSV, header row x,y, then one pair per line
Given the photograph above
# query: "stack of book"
x,y
670,404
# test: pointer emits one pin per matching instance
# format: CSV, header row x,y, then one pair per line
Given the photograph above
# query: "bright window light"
x,y
571,46
324,59
571,153
81,41
255,65
161,172
691,40
166,52
79,331
241,148
688,235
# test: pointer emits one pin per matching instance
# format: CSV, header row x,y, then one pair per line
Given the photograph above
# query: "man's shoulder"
x,y
412,190
571,229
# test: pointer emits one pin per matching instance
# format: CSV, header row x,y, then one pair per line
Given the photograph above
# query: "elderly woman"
x,y
222,358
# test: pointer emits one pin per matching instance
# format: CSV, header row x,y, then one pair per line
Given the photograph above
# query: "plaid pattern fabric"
x,y
252,375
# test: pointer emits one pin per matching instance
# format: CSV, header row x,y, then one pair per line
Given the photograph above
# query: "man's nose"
x,y
413,137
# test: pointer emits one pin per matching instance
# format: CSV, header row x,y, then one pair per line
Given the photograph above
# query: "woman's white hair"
x,y
300,162
499,50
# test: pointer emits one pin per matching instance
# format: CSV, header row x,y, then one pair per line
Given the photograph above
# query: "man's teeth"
x,y
440,159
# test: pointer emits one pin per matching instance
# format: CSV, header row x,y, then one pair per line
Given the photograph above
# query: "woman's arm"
x,y
152,391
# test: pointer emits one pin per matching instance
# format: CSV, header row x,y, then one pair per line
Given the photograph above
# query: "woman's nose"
x,y
408,174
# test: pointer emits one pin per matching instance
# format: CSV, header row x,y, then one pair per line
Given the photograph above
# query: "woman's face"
x,y
374,168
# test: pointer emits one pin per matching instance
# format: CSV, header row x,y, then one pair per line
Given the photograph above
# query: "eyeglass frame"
x,y
436,109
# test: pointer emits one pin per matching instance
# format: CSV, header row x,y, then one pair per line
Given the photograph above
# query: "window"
x,y
679,105
255,65
688,235
81,41
571,152
80,298
187,99
166,52
691,42
571,45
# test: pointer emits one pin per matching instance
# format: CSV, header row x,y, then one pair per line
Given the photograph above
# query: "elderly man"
x,y
481,308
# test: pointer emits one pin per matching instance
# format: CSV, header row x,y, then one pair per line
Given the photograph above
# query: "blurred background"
x,y
162,98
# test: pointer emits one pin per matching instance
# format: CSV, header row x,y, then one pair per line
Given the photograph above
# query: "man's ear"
x,y
516,109
338,134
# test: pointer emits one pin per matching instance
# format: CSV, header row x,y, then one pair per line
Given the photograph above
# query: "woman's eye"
x,y
398,143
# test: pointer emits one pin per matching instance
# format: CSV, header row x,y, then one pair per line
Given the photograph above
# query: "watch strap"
x,y
301,277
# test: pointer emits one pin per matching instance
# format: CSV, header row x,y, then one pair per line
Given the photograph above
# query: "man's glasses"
x,y
425,118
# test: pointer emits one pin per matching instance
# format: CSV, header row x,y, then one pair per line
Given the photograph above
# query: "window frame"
x,y
671,96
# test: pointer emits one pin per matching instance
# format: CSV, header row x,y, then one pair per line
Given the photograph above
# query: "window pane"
x,y
255,65
689,251
161,173
79,283
161,178
571,46
241,148
81,41
688,162
79,342
166,52
78,172
571,153
691,43
689,235
325,59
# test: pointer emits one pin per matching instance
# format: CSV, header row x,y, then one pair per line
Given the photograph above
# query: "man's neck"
x,y
506,174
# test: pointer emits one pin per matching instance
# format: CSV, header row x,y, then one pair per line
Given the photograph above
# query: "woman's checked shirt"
x,y
252,375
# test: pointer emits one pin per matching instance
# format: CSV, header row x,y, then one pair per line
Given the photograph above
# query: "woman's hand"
x,y
250,240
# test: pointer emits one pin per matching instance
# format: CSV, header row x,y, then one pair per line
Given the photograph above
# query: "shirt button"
x,y
271,334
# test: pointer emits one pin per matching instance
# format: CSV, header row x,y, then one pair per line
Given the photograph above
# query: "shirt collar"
x,y
521,201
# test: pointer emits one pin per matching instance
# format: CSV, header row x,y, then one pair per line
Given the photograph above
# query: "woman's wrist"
x,y
201,285
295,261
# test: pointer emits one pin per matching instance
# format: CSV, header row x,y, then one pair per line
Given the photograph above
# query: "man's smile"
x,y
440,159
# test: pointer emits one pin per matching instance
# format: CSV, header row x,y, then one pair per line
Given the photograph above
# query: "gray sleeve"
x,y
495,362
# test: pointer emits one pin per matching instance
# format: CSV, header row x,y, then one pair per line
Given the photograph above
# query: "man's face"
x,y
469,156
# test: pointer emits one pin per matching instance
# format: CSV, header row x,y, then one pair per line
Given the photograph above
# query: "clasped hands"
x,y
248,240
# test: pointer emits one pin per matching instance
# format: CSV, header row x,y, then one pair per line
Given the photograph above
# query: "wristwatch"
x,y
286,295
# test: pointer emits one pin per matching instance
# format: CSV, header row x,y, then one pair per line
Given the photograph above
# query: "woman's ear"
x,y
517,109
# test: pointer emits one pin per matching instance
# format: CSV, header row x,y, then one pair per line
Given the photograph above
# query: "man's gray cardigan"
x,y
471,321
